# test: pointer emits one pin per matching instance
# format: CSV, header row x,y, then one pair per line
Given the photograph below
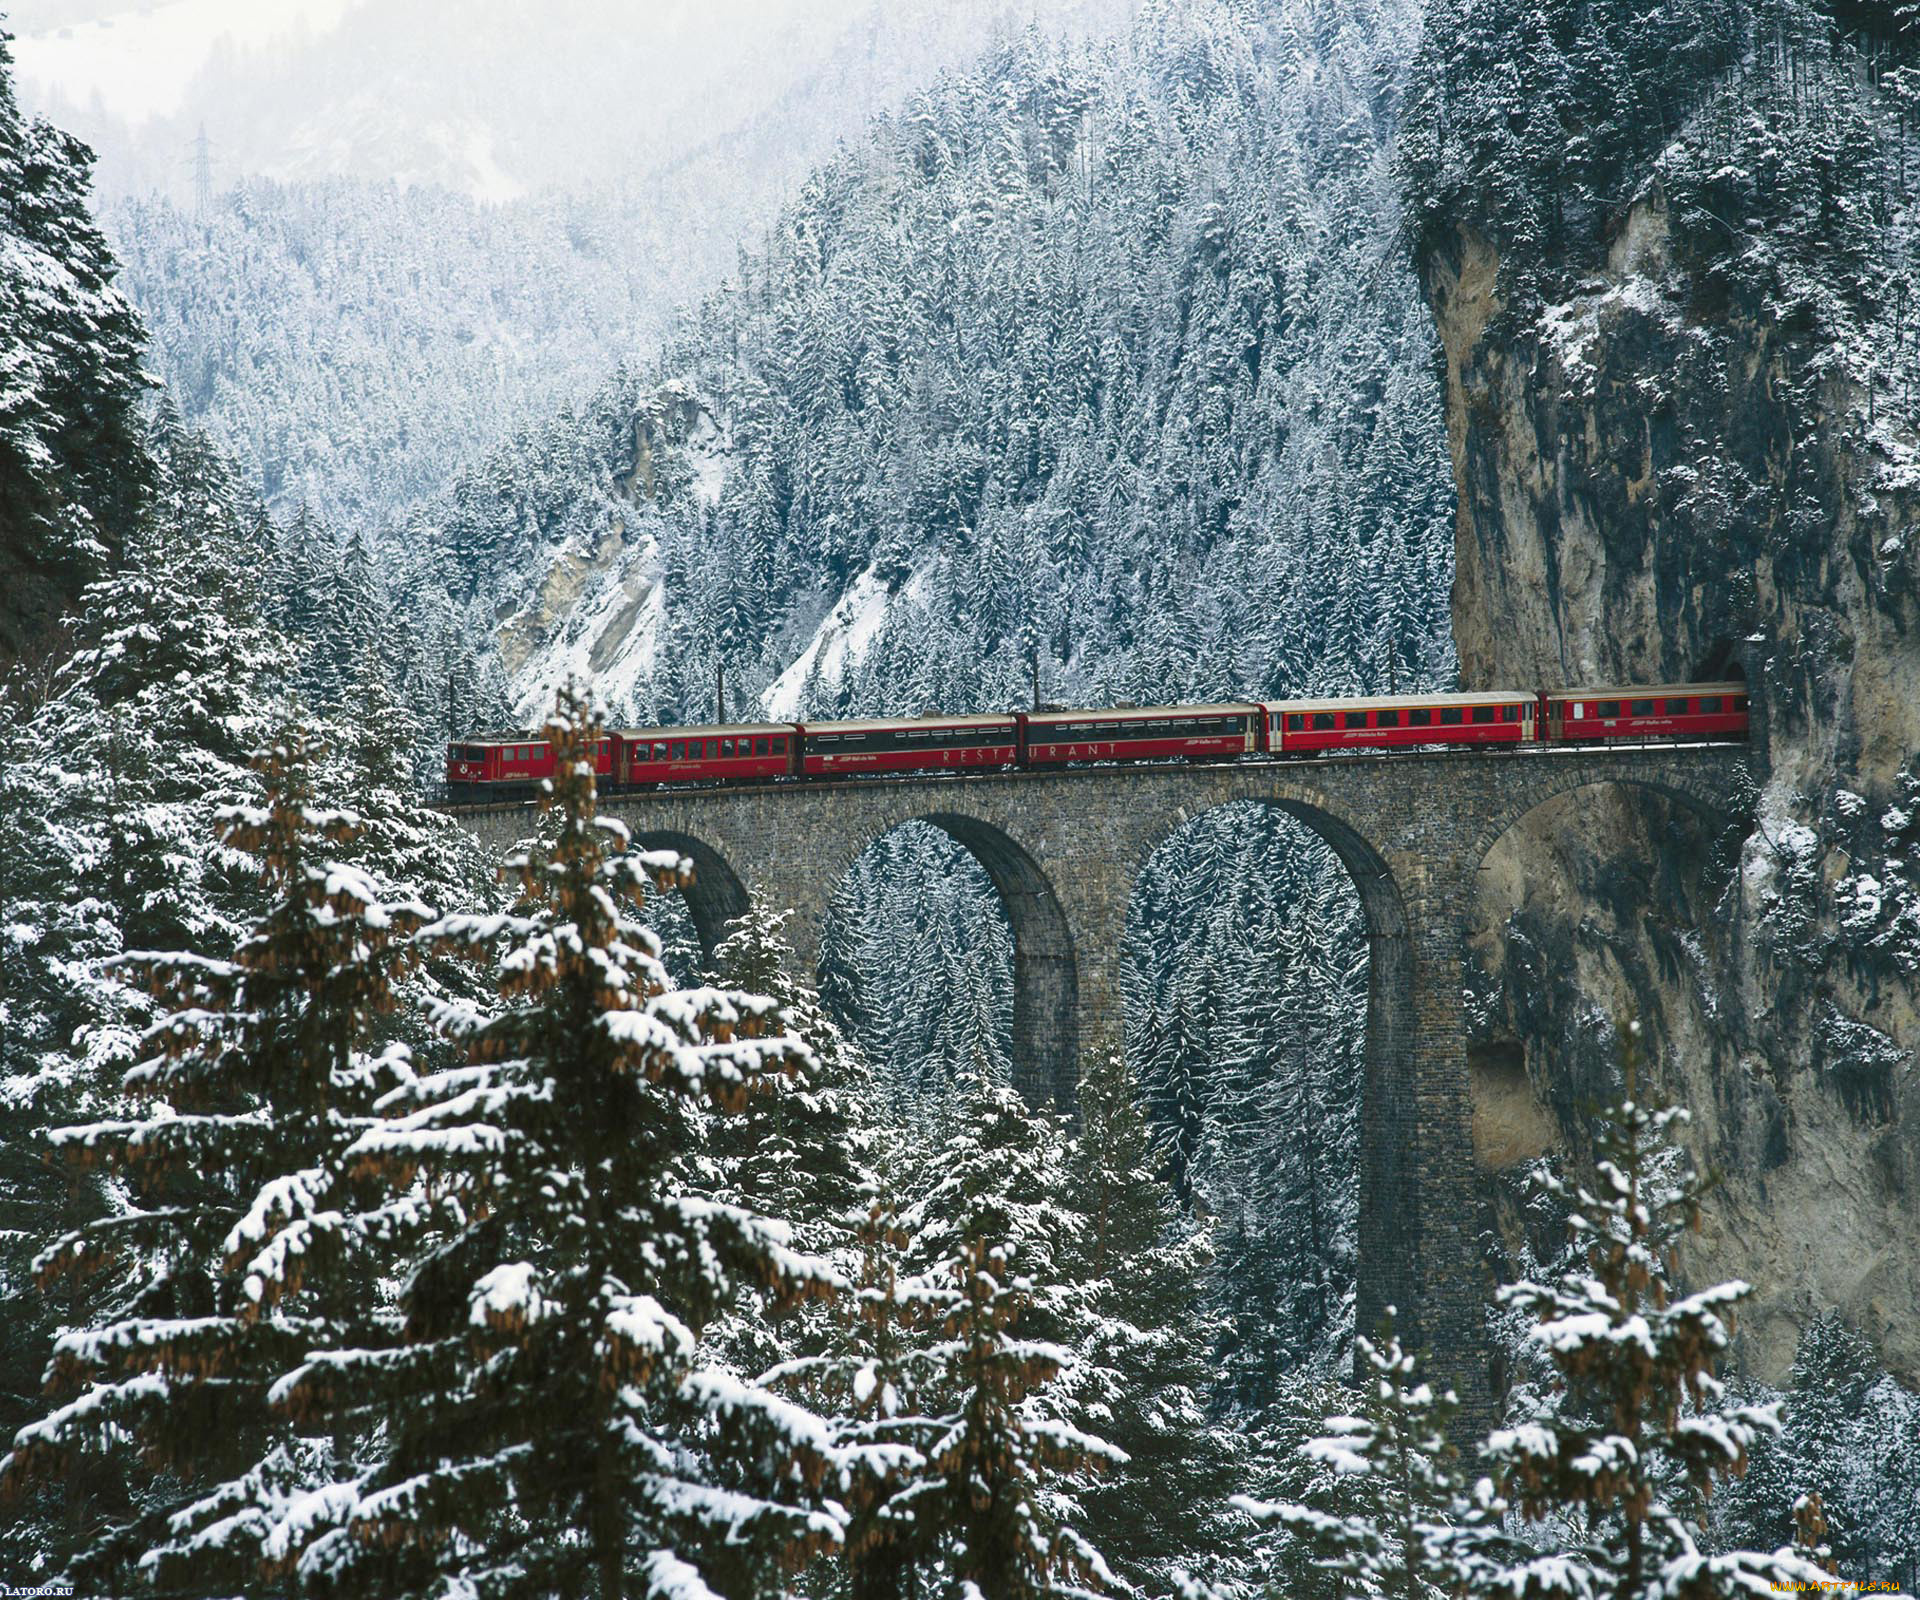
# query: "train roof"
x,y
714,730
1134,713
1486,697
1645,691
877,724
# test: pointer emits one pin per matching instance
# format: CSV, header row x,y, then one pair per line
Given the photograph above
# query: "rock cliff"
x,y
1659,481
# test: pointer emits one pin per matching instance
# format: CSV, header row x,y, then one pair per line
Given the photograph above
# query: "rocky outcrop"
x,y
1657,482
592,604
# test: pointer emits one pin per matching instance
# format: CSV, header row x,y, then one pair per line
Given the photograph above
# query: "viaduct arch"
x,y
1064,850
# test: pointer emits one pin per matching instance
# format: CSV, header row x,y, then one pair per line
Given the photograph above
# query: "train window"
x,y
1419,719
1709,703
679,750
779,747
1677,708
1387,719
1323,719
1451,715
1606,708
1509,713
660,751
759,747
1483,713
1295,722
1739,703
1643,708
1356,719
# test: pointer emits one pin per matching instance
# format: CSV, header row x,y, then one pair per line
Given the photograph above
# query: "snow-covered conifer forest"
x,y
381,1216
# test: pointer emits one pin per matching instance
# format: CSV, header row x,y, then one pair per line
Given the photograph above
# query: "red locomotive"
x,y
1664,711
509,766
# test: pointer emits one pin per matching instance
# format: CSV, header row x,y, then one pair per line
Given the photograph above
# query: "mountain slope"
x,y
1100,363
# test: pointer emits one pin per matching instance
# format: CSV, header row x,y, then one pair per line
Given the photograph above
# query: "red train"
x,y
508,766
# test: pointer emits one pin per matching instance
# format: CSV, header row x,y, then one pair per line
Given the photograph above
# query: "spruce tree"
x,y
996,1498
877,1379
113,781
804,1152
1142,1340
1624,1452
74,470
1850,1437
245,1241
553,1424
1396,1515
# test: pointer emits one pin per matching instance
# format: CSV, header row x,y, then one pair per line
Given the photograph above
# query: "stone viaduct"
x,y
1064,851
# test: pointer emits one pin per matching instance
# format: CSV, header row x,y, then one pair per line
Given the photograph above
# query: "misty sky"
x,y
496,98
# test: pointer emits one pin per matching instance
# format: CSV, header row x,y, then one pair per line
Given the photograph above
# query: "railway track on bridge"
x,y
1053,775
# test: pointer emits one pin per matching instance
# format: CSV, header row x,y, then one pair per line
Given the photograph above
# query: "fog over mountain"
x,y
513,209
477,95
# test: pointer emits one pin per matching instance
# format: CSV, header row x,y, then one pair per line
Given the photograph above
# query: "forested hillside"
x,y
1103,360
1100,365
351,345
381,286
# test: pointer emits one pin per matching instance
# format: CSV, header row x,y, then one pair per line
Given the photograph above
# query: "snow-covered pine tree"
x,y
876,1379
398,836
73,470
248,1240
995,1498
112,778
1625,1451
1397,1516
553,1425
1141,1368
803,1151
803,1155
1850,1436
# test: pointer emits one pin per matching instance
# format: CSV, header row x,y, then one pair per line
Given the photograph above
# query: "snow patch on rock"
x,y
841,641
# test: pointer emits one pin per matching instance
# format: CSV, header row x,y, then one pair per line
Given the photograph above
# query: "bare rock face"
x,y
1659,484
593,601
